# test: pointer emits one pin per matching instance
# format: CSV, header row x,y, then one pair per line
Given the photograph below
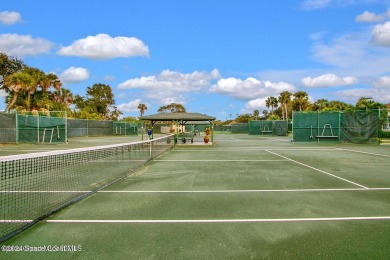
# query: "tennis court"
x,y
247,197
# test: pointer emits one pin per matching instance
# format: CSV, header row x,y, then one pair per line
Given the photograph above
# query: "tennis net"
x,y
34,186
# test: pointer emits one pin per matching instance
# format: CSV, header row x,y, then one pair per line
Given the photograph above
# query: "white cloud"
x,y
369,17
9,18
23,45
254,104
249,88
381,34
352,54
382,82
381,95
340,51
74,74
103,46
169,80
131,106
171,86
328,80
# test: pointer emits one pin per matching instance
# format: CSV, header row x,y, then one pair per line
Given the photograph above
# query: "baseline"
x,y
240,191
198,191
79,221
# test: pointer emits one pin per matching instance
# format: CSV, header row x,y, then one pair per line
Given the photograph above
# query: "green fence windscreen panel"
x,y
90,127
280,127
360,126
7,128
268,127
77,127
99,128
222,129
54,127
41,129
124,128
344,126
241,128
255,127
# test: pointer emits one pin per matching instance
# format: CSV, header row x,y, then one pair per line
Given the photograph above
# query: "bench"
x,y
186,136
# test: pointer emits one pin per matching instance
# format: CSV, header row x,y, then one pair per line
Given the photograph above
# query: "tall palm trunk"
x,y
286,110
13,101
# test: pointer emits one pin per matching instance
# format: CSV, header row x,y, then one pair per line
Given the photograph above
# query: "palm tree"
x,y
16,83
63,97
271,102
142,108
48,80
30,89
256,114
284,100
320,105
339,106
268,102
274,103
301,98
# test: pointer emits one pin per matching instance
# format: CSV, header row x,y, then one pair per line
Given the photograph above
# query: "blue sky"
x,y
221,57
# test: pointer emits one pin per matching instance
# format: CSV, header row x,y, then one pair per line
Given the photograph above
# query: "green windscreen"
x,y
268,127
341,126
41,129
7,128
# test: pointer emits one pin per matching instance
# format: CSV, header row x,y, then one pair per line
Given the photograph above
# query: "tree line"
x,y
282,106
30,89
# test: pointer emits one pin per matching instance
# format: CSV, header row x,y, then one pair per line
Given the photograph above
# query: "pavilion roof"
x,y
178,117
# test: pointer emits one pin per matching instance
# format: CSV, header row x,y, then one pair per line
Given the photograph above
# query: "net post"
x,y
16,128
318,126
339,126
150,148
38,128
66,127
292,127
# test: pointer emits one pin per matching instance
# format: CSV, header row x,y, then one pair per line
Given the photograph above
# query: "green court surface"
x,y
246,197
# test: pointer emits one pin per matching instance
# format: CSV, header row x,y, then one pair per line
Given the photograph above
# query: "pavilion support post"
x,y
212,132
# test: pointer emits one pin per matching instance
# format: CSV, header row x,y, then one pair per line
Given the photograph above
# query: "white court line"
x,y
239,191
376,154
256,149
311,167
16,220
244,160
197,191
215,220
44,191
